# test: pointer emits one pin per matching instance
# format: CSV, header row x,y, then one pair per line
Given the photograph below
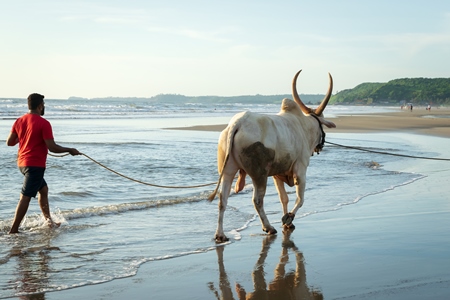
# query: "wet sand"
x,y
393,245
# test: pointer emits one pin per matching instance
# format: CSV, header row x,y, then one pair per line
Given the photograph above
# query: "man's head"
x,y
34,101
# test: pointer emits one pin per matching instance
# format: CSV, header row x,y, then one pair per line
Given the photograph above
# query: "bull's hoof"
x,y
287,229
287,219
270,230
221,239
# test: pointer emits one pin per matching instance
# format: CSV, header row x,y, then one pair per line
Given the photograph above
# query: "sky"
x,y
142,48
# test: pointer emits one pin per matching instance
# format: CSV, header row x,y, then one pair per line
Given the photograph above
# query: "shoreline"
x,y
420,121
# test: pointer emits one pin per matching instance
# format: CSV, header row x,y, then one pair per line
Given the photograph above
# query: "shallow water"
x,y
111,226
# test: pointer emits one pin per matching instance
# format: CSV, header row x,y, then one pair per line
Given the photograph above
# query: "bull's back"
x,y
258,147
272,131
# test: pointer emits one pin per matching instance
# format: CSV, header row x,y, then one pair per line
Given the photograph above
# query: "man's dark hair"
x,y
34,100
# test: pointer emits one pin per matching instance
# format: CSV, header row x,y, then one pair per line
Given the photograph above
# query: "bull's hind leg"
x,y
258,201
257,160
227,181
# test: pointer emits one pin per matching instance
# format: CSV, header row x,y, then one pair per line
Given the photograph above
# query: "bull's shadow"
x,y
285,285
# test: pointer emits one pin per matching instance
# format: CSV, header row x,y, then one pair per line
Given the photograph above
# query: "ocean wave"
x,y
87,212
37,221
77,194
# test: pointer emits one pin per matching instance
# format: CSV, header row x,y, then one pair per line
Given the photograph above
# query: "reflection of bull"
x,y
270,145
290,285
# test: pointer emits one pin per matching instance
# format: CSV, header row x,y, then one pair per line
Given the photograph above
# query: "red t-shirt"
x,y
32,131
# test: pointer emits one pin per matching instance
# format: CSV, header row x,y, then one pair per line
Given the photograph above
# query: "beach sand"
x,y
420,121
393,245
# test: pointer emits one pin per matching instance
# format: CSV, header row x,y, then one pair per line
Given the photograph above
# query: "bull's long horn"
x,y
303,107
325,100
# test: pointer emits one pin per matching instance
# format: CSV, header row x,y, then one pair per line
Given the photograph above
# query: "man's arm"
x,y
55,148
12,139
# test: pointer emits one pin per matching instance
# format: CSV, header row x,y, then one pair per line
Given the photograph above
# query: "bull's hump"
x,y
289,105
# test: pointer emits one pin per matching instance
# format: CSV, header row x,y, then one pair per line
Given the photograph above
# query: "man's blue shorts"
x,y
33,181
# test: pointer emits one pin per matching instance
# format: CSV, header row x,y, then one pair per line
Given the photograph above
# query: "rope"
x,y
138,181
212,183
387,153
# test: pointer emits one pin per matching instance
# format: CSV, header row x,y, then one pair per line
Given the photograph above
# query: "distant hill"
x,y
419,91
176,98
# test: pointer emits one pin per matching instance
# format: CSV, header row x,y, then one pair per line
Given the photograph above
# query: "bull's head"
x,y
316,113
306,110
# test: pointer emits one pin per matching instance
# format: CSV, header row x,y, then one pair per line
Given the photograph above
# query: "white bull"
x,y
270,145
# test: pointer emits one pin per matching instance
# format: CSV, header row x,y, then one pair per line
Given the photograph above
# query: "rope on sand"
x,y
387,153
139,181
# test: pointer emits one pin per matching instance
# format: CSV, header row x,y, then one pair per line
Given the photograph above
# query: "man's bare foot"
x,y
52,224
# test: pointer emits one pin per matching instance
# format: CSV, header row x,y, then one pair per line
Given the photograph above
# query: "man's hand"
x,y
55,148
74,151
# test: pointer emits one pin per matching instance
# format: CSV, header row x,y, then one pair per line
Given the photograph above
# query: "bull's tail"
x,y
231,133
213,194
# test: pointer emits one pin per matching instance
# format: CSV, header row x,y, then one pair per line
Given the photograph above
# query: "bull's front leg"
x,y
258,201
284,199
288,218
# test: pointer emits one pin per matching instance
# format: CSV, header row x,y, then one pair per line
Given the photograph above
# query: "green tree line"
x,y
418,91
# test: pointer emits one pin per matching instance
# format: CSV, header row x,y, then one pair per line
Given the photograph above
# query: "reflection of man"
x,y
35,137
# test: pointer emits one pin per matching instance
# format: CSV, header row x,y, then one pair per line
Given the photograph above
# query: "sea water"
x,y
112,225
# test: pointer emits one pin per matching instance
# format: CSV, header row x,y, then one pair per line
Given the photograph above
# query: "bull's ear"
x,y
327,123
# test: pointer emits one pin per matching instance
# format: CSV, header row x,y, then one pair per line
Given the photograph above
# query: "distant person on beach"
x,y
35,137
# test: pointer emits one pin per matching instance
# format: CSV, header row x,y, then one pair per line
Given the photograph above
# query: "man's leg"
x,y
43,203
21,211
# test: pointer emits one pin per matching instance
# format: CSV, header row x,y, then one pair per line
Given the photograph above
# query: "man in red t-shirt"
x,y
35,137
